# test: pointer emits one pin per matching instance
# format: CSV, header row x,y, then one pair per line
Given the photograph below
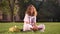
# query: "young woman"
x,y
30,19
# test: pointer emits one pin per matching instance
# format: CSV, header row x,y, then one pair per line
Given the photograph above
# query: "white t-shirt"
x,y
30,19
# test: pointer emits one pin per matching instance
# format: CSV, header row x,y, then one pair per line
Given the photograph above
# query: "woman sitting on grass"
x,y
30,19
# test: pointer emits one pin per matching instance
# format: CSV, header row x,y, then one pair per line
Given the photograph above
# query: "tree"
x,y
11,5
4,7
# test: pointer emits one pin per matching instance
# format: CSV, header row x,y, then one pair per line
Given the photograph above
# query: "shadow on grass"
x,y
3,31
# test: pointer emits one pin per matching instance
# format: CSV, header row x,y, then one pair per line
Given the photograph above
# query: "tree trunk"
x,y
8,17
11,5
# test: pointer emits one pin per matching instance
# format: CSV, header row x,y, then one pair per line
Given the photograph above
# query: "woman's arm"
x,y
35,24
26,19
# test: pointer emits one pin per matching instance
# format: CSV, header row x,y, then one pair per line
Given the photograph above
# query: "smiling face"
x,y
30,10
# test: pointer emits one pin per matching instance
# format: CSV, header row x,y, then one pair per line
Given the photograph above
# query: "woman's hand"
x,y
35,24
27,23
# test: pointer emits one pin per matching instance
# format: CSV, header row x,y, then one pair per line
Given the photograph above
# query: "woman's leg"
x,y
27,27
41,27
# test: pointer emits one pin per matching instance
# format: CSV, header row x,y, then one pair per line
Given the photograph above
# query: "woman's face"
x,y
32,9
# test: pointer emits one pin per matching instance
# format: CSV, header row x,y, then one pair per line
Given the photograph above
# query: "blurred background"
x,y
14,10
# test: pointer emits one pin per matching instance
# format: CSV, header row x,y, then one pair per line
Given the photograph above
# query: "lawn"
x,y
51,28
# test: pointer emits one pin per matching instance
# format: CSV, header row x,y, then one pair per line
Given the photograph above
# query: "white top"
x,y
30,19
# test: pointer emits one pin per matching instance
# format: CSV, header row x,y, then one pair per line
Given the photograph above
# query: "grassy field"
x,y
51,28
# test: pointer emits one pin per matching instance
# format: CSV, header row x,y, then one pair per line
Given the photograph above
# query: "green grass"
x,y
51,28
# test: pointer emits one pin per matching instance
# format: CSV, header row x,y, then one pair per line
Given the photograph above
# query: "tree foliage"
x,y
5,7
49,9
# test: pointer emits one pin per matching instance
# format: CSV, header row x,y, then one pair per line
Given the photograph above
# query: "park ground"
x,y
51,28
